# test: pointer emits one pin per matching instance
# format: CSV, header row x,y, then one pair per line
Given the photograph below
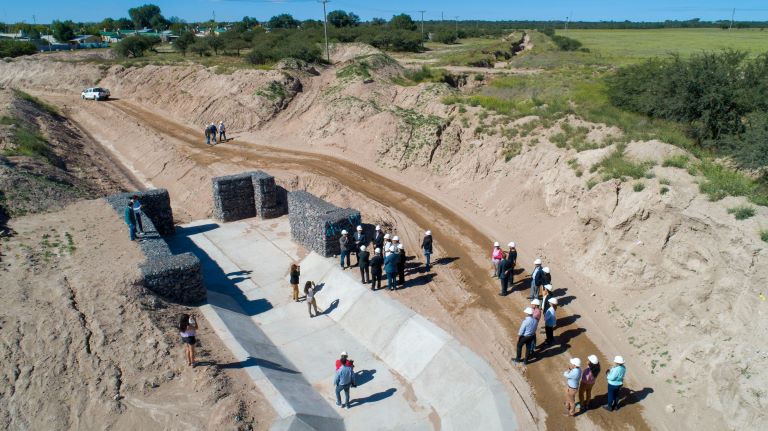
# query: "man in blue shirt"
x,y
550,320
615,377
344,379
525,335
390,267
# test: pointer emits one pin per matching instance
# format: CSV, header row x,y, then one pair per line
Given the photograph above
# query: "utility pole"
x,y
456,20
422,28
441,18
733,14
567,20
325,30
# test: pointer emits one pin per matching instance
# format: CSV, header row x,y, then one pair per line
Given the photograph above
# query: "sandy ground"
x,y
84,346
653,277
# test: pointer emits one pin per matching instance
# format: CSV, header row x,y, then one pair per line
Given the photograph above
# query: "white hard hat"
x,y
496,244
528,310
592,359
618,360
386,236
344,354
359,228
362,248
343,232
428,233
537,262
378,227
395,238
535,302
378,250
400,246
548,287
511,244
552,301
545,269
392,248
576,361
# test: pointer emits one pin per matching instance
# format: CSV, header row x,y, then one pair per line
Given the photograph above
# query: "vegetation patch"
x,y
678,161
274,91
721,181
638,187
664,190
764,235
45,106
30,143
617,166
742,212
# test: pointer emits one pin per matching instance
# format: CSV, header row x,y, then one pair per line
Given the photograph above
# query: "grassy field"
x,y
624,46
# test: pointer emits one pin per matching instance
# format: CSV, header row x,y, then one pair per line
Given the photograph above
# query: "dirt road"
x,y
459,238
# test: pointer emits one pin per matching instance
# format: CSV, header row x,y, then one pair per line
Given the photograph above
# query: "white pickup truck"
x,y
95,93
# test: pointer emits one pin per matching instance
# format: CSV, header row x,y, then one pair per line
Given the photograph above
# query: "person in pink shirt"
x,y
496,256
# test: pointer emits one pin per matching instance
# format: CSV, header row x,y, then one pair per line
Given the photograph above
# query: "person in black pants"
x,y
363,262
376,263
359,239
401,264
505,274
378,238
426,247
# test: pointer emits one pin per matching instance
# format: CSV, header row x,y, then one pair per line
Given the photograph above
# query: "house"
x,y
85,40
111,36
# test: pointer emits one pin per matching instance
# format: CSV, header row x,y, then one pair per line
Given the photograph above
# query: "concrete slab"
x,y
407,367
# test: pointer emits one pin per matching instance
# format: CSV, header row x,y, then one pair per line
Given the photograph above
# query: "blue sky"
x,y
227,10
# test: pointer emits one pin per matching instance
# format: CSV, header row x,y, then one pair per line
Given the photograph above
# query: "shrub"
x,y
764,235
276,45
664,181
135,46
678,161
479,77
445,36
721,182
742,212
615,165
13,48
664,190
566,43
592,182
638,187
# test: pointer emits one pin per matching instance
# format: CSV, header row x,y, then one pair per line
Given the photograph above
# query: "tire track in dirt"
x,y
458,237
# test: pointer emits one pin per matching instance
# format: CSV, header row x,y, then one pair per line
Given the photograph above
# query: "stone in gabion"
x,y
155,205
317,224
269,198
233,197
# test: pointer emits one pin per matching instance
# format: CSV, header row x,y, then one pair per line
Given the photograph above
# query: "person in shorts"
x,y
188,332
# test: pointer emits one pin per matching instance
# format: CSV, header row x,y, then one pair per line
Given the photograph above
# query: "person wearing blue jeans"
x,y
615,377
426,246
344,249
390,267
537,279
130,220
344,379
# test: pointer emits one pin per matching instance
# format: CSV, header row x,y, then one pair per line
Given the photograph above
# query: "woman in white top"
x,y
309,290
188,332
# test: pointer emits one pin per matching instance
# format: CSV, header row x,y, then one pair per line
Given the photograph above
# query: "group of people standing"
x,y
212,129
544,304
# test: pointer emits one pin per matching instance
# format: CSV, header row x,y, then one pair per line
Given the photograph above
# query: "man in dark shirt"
x,y
376,272
363,262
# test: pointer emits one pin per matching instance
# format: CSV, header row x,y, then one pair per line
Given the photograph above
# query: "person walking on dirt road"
x,y
505,274
550,320
390,267
188,333
137,212
130,219
207,134
615,377
536,279
344,249
309,292
572,379
363,261
222,132
525,335
359,238
376,263
426,247
496,256
343,380
588,378
401,264
212,131
295,273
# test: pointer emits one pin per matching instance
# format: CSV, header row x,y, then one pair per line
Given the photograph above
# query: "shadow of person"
x,y
565,300
256,362
444,260
567,320
331,307
364,376
373,397
418,281
319,287
627,397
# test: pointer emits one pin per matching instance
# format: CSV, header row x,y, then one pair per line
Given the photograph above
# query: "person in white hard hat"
x,y
377,261
344,249
363,261
546,278
387,243
401,264
615,377
342,360
390,267
426,247
525,335
505,274
550,321
378,238
359,239
588,378
536,307
512,256
572,379
395,240
496,256
548,294
536,279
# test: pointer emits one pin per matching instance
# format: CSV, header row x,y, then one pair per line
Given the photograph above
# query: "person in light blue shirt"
x,y
572,379
344,379
525,335
550,320
615,377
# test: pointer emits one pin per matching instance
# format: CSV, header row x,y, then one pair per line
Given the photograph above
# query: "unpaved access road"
x,y
459,238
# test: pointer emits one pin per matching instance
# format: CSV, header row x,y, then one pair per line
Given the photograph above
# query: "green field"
x,y
631,45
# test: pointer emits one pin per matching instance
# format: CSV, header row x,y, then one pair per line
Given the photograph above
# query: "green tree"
x,y
123,24
200,47
14,48
145,16
378,21
402,22
107,24
135,46
283,20
183,42
63,31
215,42
339,18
